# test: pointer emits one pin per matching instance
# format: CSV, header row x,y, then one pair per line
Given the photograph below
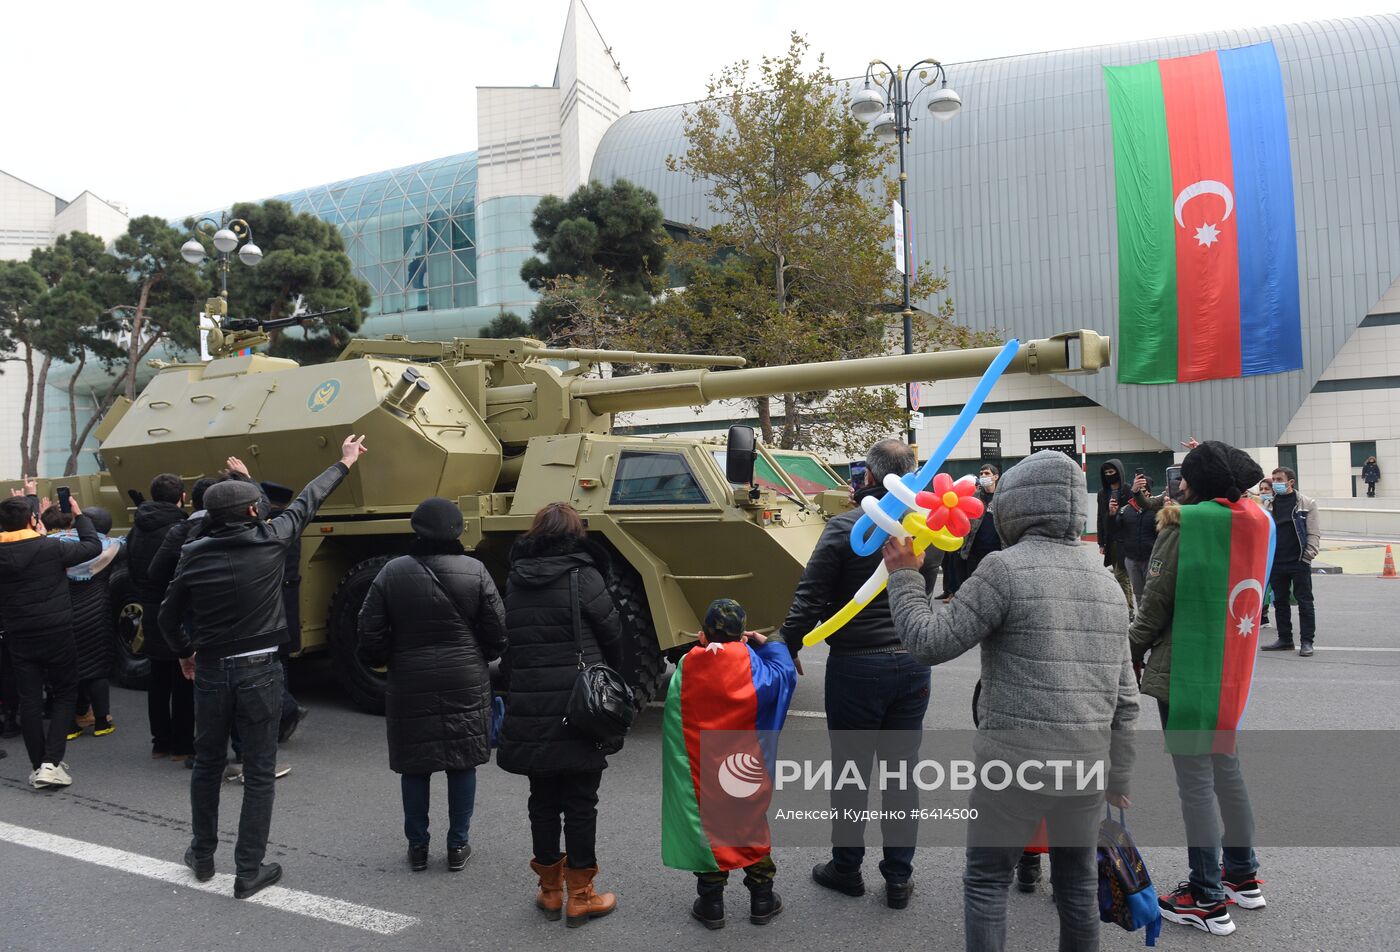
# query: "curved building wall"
x,y
1015,197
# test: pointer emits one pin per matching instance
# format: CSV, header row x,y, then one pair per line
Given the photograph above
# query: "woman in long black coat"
x,y
435,619
94,629
542,663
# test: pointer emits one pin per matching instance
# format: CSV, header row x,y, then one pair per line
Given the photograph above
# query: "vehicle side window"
x,y
655,479
810,476
764,475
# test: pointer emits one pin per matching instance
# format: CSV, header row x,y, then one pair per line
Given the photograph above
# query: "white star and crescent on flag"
x,y
1245,623
1209,232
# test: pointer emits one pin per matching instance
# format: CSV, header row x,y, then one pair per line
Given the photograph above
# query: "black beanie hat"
x,y
437,520
101,518
1217,470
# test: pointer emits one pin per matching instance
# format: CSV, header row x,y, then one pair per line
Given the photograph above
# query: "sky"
x,y
174,108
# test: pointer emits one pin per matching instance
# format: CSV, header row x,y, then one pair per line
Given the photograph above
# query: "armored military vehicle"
x,y
504,427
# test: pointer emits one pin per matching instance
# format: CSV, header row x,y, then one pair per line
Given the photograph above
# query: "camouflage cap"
x,y
725,618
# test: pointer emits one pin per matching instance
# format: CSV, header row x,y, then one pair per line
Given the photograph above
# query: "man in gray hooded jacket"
x,y
1056,674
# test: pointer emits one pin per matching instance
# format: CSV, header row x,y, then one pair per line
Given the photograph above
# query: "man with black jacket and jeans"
x,y
169,698
872,684
1298,533
229,584
38,620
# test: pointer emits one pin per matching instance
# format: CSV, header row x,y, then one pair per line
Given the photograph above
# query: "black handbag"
x,y
600,706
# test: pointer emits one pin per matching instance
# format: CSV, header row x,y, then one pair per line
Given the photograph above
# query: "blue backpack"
x,y
1126,894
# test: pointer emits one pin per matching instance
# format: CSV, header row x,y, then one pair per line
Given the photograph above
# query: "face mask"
x,y
987,482
1280,489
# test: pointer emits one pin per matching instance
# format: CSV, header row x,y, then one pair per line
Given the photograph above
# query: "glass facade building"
x,y
411,233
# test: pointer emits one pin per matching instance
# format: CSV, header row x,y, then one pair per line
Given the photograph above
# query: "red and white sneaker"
x,y
1245,890
1183,908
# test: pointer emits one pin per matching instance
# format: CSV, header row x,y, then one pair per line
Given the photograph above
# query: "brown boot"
x,y
584,903
551,895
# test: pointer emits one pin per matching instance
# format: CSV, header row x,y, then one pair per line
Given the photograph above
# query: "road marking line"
x,y
1341,648
325,908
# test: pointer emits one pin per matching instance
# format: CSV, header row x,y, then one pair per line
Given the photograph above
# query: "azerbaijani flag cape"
x,y
725,705
1226,552
1207,248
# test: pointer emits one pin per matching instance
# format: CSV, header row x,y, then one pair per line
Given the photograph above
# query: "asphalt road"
x,y
107,887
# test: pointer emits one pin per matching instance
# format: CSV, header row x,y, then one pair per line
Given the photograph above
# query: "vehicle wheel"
x,y
629,594
130,668
363,685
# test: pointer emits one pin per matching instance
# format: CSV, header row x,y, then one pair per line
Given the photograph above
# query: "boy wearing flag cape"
x,y
1199,619
724,708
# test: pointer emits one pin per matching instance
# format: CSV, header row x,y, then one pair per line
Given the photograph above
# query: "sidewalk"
x,y
1354,556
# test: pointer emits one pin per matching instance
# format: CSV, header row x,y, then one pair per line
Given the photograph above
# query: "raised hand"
x,y
236,465
31,486
352,449
900,554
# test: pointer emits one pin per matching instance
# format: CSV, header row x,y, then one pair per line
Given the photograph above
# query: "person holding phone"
x,y
38,619
93,623
1137,530
1112,495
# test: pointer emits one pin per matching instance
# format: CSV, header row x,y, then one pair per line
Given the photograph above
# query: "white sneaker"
x,y
49,775
35,781
278,773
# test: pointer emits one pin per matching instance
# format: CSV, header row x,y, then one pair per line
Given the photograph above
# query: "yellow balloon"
x,y
833,624
946,541
923,537
918,528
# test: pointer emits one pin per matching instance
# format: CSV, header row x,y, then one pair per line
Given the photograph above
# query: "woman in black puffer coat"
x,y
435,619
542,663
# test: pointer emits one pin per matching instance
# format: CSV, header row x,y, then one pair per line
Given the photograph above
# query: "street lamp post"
x,y
885,101
226,235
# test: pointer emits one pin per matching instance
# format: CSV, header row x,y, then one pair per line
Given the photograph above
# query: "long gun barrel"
x,y
1078,352
633,357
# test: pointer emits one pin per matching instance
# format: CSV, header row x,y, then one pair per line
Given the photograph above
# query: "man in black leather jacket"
x,y
229,585
872,684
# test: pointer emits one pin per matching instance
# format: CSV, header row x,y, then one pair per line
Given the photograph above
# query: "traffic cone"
x,y
1389,570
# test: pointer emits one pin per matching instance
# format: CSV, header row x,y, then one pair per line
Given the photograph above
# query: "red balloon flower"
x,y
951,505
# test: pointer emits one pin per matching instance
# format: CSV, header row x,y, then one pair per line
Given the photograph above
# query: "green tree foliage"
x,y
304,270
95,306
799,267
605,241
506,324
21,289
161,300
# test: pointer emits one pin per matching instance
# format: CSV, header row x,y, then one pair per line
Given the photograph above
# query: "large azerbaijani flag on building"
x,y
1223,564
1207,247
